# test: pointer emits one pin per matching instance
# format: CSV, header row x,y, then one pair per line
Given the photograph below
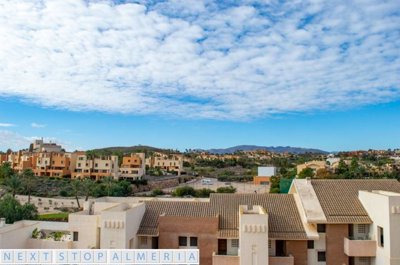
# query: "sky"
x,y
200,74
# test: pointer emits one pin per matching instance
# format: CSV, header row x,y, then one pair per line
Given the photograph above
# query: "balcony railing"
x,y
225,259
360,247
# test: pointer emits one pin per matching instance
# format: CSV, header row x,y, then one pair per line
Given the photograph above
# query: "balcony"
x,y
289,260
225,260
359,247
235,260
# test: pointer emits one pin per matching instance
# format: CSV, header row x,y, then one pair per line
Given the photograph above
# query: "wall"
x,y
298,249
335,234
204,228
87,227
389,220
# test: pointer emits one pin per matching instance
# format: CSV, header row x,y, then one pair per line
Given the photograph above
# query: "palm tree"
x,y
109,181
88,185
76,188
14,183
28,178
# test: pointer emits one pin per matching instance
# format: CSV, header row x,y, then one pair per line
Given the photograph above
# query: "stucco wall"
x,y
204,228
335,234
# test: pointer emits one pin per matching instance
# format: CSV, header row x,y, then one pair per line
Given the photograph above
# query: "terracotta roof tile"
x,y
339,198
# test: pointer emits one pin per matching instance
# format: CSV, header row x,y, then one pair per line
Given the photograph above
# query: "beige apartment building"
x,y
133,166
171,163
95,168
333,222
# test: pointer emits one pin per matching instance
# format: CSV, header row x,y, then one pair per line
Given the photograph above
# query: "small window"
x,y
310,244
75,236
321,228
269,244
182,241
362,228
193,241
235,243
380,237
321,256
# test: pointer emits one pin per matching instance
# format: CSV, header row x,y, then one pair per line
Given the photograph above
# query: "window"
x,y
96,165
235,243
193,241
182,241
321,228
380,237
362,228
79,164
269,244
310,244
143,241
321,256
75,236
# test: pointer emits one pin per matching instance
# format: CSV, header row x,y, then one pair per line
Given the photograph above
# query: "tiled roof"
x,y
284,220
283,217
339,198
149,224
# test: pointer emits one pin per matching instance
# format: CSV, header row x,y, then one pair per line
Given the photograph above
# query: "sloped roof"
x,y
339,197
149,224
284,220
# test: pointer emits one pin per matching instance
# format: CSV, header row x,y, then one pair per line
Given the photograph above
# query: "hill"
x,y
275,149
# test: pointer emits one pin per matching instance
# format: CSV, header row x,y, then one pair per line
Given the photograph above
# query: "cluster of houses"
x,y
319,222
49,159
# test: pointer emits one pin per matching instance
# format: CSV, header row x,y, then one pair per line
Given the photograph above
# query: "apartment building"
x,y
95,168
24,161
52,164
133,166
171,163
264,175
40,146
320,222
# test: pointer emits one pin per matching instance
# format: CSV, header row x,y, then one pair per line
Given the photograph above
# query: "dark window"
x,y
321,256
380,237
75,236
182,241
193,241
310,244
321,228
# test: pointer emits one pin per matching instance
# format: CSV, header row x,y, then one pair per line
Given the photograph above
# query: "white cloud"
x,y
6,125
201,60
12,140
15,141
37,125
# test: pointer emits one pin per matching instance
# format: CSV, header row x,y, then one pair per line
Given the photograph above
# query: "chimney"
x,y
2,222
308,180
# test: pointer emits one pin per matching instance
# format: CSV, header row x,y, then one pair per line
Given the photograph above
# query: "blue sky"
x,y
200,74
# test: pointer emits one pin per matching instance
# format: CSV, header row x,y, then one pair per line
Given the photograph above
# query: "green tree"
x,y
109,184
157,192
306,173
184,191
228,189
28,182
5,170
13,211
88,186
14,184
76,189
204,193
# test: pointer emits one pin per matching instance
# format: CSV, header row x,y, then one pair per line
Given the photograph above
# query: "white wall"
x,y
266,171
380,208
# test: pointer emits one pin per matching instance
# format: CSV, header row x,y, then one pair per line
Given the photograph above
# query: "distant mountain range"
x,y
230,150
275,149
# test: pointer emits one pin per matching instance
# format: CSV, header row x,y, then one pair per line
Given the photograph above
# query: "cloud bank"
x,y
200,59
